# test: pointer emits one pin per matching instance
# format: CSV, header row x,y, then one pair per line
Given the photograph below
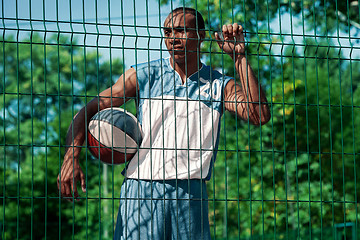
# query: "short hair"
x,y
200,23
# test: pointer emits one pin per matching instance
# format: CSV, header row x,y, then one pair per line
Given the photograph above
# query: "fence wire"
x,y
295,177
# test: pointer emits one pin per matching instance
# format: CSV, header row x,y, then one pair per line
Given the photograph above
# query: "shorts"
x,y
166,209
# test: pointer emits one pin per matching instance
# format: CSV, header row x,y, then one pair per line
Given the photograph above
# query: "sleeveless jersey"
x,y
180,122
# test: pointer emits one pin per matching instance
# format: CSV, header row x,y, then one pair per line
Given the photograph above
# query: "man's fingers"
x,y
240,29
62,188
219,41
230,29
68,194
58,182
225,31
74,189
235,29
83,181
240,35
70,174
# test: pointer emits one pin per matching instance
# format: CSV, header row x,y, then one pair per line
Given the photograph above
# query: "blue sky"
x,y
148,18
146,15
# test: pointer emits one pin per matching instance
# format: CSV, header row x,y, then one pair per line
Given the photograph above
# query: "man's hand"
x,y
114,96
232,40
70,173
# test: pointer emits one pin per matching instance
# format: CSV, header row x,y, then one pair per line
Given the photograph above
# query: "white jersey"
x,y
180,122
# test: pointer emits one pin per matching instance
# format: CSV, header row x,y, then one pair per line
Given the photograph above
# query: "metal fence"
x,y
296,177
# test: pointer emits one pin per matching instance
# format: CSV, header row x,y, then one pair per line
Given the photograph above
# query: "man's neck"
x,y
186,70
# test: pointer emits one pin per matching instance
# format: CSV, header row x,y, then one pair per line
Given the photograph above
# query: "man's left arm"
x,y
248,99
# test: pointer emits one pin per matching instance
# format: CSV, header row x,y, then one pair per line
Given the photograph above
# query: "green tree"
x,y
42,86
297,176
293,178
326,17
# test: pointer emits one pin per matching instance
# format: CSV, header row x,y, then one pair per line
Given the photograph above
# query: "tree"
x,y
293,178
325,17
42,86
298,173
297,176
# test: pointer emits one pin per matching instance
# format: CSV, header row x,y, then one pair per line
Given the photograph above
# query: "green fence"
x,y
296,177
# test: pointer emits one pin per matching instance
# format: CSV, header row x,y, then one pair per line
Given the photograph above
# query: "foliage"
x,y
43,86
293,178
326,17
297,176
293,175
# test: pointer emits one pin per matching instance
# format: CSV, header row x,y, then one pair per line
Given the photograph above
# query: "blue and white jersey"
x,y
180,122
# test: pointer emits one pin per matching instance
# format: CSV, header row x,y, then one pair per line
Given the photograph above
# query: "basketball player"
x,y
180,104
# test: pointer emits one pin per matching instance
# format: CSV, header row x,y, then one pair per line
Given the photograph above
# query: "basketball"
x,y
114,136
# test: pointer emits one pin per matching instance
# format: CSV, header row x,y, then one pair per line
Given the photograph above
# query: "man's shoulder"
x,y
153,64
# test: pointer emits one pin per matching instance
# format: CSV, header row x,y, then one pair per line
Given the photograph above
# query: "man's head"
x,y
184,31
199,24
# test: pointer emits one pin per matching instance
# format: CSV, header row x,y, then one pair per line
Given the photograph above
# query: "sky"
x,y
147,15
122,39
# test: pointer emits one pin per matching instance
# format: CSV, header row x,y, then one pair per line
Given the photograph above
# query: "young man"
x,y
180,105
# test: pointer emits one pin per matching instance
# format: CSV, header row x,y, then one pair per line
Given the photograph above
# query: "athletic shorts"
x,y
166,209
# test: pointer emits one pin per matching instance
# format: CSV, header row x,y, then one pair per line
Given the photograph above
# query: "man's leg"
x,y
142,212
190,214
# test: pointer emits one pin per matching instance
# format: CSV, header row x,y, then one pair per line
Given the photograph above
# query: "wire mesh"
x,y
295,177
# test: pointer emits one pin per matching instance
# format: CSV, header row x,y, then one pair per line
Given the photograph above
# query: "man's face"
x,y
181,37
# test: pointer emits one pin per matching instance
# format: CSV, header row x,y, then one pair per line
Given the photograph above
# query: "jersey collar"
x,y
192,77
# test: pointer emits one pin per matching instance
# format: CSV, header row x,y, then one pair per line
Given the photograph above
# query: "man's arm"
x,y
247,100
126,86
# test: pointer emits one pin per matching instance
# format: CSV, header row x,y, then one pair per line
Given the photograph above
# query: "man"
x,y
180,105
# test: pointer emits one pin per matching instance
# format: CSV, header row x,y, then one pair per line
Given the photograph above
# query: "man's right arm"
x,y
124,89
